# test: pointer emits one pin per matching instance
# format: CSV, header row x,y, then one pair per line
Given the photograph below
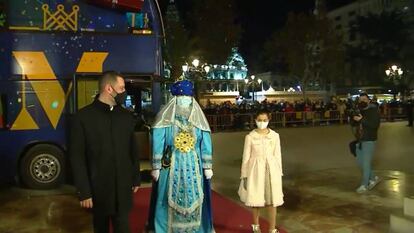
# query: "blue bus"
x,y
51,54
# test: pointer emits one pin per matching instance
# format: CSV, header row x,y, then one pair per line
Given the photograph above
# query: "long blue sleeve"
x,y
206,150
158,145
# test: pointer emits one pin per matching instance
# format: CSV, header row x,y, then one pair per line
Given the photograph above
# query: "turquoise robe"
x,y
183,199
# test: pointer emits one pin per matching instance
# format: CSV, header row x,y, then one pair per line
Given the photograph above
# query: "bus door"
x,y
139,102
86,90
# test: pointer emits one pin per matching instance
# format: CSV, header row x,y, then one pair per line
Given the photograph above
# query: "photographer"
x,y
409,109
369,121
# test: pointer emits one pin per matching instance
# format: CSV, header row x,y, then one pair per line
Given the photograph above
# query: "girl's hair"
x,y
263,112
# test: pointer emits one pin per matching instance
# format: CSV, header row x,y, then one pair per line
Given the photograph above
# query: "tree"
x,y
308,49
214,29
382,39
178,45
2,14
208,31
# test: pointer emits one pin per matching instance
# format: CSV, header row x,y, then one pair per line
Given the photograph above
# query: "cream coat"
x,y
260,150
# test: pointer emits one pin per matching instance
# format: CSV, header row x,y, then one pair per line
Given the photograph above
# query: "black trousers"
x,y
119,222
410,118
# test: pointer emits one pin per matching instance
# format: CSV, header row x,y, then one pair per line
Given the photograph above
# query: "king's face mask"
x,y
184,101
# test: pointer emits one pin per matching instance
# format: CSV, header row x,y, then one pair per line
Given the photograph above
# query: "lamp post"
x,y
252,81
195,72
394,74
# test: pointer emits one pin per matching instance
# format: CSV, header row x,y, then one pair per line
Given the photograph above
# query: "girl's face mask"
x,y
262,121
262,124
184,101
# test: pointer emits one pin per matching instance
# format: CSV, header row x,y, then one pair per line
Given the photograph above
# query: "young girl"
x,y
261,171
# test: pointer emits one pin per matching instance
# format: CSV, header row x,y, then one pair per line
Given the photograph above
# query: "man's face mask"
x,y
184,101
120,98
363,103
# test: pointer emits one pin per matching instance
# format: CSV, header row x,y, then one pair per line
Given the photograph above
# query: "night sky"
x,y
260,18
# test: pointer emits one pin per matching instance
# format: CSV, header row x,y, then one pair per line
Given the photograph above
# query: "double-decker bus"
x,y
51,54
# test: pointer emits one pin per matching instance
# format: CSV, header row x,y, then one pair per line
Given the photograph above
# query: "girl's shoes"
x,y
256,228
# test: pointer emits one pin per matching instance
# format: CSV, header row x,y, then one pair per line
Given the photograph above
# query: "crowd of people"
x,y
228,107
342,106
228,115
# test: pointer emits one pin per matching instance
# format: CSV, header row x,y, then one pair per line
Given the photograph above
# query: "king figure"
x,y
182,165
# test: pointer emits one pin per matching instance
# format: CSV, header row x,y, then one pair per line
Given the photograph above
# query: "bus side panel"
x,y
126,53
35,128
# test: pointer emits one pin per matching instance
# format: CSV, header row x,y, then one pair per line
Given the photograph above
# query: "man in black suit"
x,y
104,157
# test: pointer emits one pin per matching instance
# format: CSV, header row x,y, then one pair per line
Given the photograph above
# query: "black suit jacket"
x,y
104,157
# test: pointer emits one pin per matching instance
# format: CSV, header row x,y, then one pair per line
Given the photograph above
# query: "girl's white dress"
x,y
262,166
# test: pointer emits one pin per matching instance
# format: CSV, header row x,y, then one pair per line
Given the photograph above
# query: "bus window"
x,y
138,20
129,102
2,111
139,23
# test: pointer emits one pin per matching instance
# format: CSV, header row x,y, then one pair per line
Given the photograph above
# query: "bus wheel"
x,y
42,167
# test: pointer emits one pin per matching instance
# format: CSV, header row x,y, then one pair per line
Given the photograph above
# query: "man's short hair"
x,y
364,94
108,77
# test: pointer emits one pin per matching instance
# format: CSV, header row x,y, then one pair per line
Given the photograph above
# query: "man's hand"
x,y
358,117
135,189
88,203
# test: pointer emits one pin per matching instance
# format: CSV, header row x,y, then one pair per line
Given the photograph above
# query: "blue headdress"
x,y
182,87
166,116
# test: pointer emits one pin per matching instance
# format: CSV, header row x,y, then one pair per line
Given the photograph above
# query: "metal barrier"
x,y
391,114
246,121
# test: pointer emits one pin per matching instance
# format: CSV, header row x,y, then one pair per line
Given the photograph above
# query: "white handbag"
x,y
242,192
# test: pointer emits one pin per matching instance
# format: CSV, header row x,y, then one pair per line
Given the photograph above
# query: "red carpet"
x,y
228,216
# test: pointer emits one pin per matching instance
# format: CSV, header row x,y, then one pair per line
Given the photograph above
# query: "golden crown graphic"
x,y
60,19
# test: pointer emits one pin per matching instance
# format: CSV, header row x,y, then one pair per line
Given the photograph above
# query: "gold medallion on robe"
x,y
184,142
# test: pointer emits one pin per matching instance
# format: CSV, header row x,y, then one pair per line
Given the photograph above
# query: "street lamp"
x,y
394,74
252,81
195,63
260,83
185,68
196,68
196,72
207,68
